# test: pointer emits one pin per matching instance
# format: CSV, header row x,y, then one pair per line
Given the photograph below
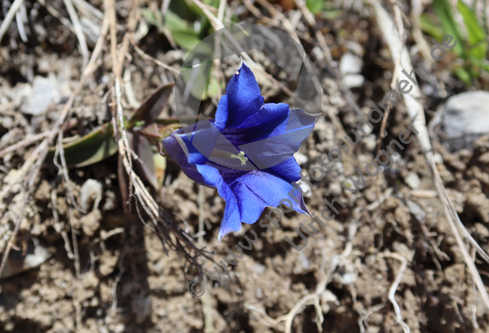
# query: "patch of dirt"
x,y
126,281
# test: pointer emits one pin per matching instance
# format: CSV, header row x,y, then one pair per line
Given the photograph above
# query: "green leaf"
x,y
90,149
197,79
160,167
193,7
463,75
173,21
212,87
315,6
181,30
145,164
152,16
443,9
429,26
185,38
481,63
213,3
151,107
185,9
332,14
477,35
203,82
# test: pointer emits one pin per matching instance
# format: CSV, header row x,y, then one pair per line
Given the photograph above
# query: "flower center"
x,y
241,156
229,160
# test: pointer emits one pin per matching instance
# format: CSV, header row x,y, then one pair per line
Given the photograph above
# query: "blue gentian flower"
x,y
246,152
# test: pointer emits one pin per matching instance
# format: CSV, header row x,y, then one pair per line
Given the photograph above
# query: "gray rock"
x,y
350,67
412,180
30,256
350,64
300,158
353,80
416,210
463,119
35,98
90,190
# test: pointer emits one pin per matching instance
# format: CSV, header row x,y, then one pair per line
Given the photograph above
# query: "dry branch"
x,y
31,169
8,18
416,113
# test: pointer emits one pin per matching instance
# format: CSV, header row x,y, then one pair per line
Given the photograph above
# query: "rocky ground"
x,y
388,262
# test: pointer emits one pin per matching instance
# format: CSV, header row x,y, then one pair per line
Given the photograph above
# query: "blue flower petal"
x,y
272,120
196,142
271,113
250,205
243,97
288,169
246,153
174,149
283,142
222,112
231,220
263,189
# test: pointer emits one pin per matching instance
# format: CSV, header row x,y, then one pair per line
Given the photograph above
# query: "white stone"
x,y
90,190
353,80
350,64
36,98
463,119
438,158
19,262
412,180
300,158
306,189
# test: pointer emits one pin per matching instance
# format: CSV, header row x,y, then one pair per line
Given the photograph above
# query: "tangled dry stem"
x,y
167,230
415,112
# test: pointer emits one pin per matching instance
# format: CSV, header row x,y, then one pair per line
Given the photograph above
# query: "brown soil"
x,y
127,282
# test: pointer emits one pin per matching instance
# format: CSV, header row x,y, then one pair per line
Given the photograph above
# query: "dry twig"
x,y
416,113
165,227
327,54
393,288
150,58
34,162
23,143
78,30
416,10
217,24
8,18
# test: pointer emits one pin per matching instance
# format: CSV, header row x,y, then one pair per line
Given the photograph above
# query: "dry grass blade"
x,y
78,30
327,54
150,58
21,18
33,164
363,319
402,37
23,143
9,17
417,9
314,298
166,229
393,288
217,24
416,113
291,30
87,9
